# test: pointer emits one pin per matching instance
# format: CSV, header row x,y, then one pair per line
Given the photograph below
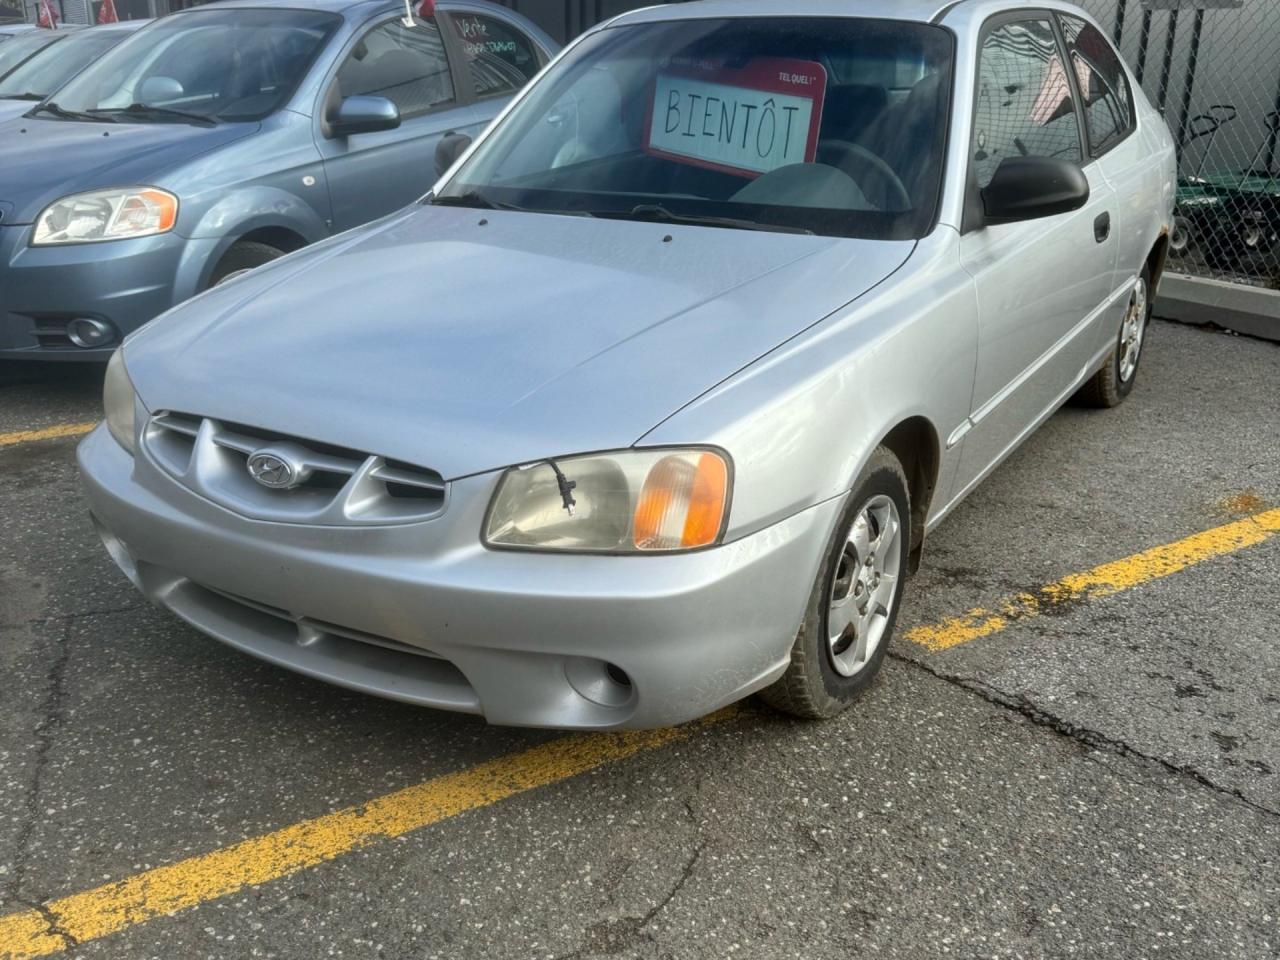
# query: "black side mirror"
x,y
449,149
1028,188
363,115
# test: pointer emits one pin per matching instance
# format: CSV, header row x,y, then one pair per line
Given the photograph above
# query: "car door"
x,y
373,174
1039,283
1106,100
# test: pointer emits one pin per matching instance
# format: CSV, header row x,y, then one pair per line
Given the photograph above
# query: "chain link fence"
x,y
1213,68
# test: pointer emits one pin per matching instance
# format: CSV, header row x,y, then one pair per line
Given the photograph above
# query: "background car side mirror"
x,y
363,115
1028,188
451,146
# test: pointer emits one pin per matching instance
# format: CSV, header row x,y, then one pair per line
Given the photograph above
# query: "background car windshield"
x,y
221,64
52,68
834,126
18,51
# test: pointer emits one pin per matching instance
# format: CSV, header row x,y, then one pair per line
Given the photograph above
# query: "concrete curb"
x,y
1235,306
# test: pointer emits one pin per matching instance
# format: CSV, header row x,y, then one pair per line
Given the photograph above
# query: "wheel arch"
x,y
915,442
1157,259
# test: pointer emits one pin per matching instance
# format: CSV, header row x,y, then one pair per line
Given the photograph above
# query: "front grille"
x,y
333,485
308,627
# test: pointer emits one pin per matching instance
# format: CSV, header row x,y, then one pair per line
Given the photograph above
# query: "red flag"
x,y
48,15
108,12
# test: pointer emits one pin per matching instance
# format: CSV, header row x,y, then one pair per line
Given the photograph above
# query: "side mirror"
x,y
158,90
449,149
1028,188
363,115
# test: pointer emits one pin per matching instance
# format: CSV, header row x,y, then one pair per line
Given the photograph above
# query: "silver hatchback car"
x,y
652,403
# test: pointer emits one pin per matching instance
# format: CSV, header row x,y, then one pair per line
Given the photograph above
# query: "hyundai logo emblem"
x,y
273,471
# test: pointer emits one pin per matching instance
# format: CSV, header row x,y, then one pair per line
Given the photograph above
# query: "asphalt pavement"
x,y
1098,778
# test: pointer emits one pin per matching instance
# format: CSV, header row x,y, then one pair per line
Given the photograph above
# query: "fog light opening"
x,y
603,684
87,333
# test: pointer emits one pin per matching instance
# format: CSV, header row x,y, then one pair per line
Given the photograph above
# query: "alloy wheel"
x,y
865,586
1132,331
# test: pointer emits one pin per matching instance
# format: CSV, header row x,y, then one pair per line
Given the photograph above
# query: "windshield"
x,y
18,51
830,126
208,64
44,74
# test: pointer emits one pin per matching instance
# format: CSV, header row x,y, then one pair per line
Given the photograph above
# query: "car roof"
x,y
121,25
331,6
919,10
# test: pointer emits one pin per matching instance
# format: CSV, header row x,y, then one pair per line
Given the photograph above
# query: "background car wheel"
x,y
1112,383
1182,237
243,256
854,603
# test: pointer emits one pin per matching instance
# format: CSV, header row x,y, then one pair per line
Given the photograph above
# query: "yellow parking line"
x,y
188,883
46,433
1103,581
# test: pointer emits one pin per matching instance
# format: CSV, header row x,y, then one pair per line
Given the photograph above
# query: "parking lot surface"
x,y
1073,752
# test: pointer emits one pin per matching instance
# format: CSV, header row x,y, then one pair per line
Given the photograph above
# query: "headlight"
x,y
106,215
118,397
634,501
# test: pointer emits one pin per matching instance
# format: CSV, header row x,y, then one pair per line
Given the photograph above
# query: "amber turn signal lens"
x,y
682,503
160,208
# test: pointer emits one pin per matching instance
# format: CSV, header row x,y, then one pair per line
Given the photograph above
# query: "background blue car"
x,y
219,138
61,55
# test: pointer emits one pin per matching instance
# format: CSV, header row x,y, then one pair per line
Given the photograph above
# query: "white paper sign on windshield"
x,y
745,121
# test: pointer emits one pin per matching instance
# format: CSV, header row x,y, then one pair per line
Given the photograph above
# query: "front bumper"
x,y
122,283
424,613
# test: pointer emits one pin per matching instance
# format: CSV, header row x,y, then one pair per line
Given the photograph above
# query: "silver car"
x,y
653,402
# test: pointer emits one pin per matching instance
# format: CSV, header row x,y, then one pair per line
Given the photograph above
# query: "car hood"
x,y
468,340
42,160
10,109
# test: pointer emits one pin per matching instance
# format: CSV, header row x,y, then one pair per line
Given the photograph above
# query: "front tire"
x,y
1114,381
243,256
853,605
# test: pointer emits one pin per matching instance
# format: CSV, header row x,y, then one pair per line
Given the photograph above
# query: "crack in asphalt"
x,y
53,928
1022,705
52,718
71,617
612,938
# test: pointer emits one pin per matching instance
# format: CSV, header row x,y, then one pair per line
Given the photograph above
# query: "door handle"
x,y
1102,227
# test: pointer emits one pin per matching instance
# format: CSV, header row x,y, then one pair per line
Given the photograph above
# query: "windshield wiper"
x,y
23,96
474,199
58,111
149,111
655,213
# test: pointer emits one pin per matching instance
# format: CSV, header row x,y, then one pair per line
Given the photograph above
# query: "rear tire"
x,y
860,581
1114,381
243,256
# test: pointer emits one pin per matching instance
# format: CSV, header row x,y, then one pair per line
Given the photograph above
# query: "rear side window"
x,y
1108,101
407,65
1024,102
501,58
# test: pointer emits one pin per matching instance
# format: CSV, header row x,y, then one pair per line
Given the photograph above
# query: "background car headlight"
x,y
106,215
118,397
633,501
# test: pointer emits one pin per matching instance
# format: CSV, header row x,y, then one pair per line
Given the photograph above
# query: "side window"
x,y
407,65
1024,104
1108,101
501,58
